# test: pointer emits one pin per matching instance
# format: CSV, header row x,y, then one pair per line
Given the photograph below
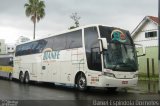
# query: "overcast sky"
x,y
125,14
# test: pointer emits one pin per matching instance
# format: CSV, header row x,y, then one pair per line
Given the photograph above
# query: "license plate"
x,y
124,82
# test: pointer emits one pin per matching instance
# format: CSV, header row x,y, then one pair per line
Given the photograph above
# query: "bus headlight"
x,y
108,74
135,76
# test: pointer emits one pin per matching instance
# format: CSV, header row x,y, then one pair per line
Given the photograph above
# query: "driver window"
x,y
92,49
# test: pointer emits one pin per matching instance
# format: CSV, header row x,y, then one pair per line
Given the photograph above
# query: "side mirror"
x,y
104,42
143,50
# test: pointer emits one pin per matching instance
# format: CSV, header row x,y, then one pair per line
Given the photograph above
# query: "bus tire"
x,y
81,83
21,77
26,78
10,76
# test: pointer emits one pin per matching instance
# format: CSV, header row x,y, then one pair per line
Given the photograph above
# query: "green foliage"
x,y
151,53
35,10
76,19
72,27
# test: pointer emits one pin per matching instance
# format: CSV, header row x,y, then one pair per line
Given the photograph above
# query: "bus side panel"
x,y
16,68
78,62
66,71
30,64
56,72
65,66
34,67
58,69
35,74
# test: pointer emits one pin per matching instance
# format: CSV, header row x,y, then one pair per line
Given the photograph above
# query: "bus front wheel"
x,y
81,83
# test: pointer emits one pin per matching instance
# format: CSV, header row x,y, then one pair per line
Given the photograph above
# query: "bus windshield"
x,y
121,53
120,57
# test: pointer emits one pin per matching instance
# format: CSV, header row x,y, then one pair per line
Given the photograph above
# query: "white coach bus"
x,y
95,55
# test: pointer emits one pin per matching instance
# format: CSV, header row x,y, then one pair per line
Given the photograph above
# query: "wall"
x,y
151,45
140,36
151,53
2,47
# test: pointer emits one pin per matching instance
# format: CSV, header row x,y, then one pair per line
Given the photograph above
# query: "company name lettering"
x,y
51,55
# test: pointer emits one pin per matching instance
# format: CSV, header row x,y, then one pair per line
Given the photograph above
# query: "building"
x,y
10,49
2,47
6,49
146,33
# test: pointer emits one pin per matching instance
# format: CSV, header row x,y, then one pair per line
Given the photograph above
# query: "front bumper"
x,y
105,81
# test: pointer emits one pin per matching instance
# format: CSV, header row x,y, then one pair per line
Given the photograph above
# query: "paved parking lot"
x,y
49,94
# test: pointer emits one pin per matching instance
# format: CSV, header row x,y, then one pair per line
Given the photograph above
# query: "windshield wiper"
x,y
124,65
115,67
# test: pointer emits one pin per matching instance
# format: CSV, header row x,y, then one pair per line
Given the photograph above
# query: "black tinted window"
x,y
67,41
150,34
6,61
92,49
74,39
18,50
30,48
38,46
60,42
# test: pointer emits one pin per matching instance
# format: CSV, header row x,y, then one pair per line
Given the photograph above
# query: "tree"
x,y
76,19
35,10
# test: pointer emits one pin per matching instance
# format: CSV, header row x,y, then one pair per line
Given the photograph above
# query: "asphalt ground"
x,y
12,93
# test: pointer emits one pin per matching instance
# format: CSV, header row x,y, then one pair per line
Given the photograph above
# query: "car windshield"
x,y
120,57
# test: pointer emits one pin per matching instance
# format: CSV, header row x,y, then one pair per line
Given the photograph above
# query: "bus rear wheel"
x,y
81,83
21,78
26,78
